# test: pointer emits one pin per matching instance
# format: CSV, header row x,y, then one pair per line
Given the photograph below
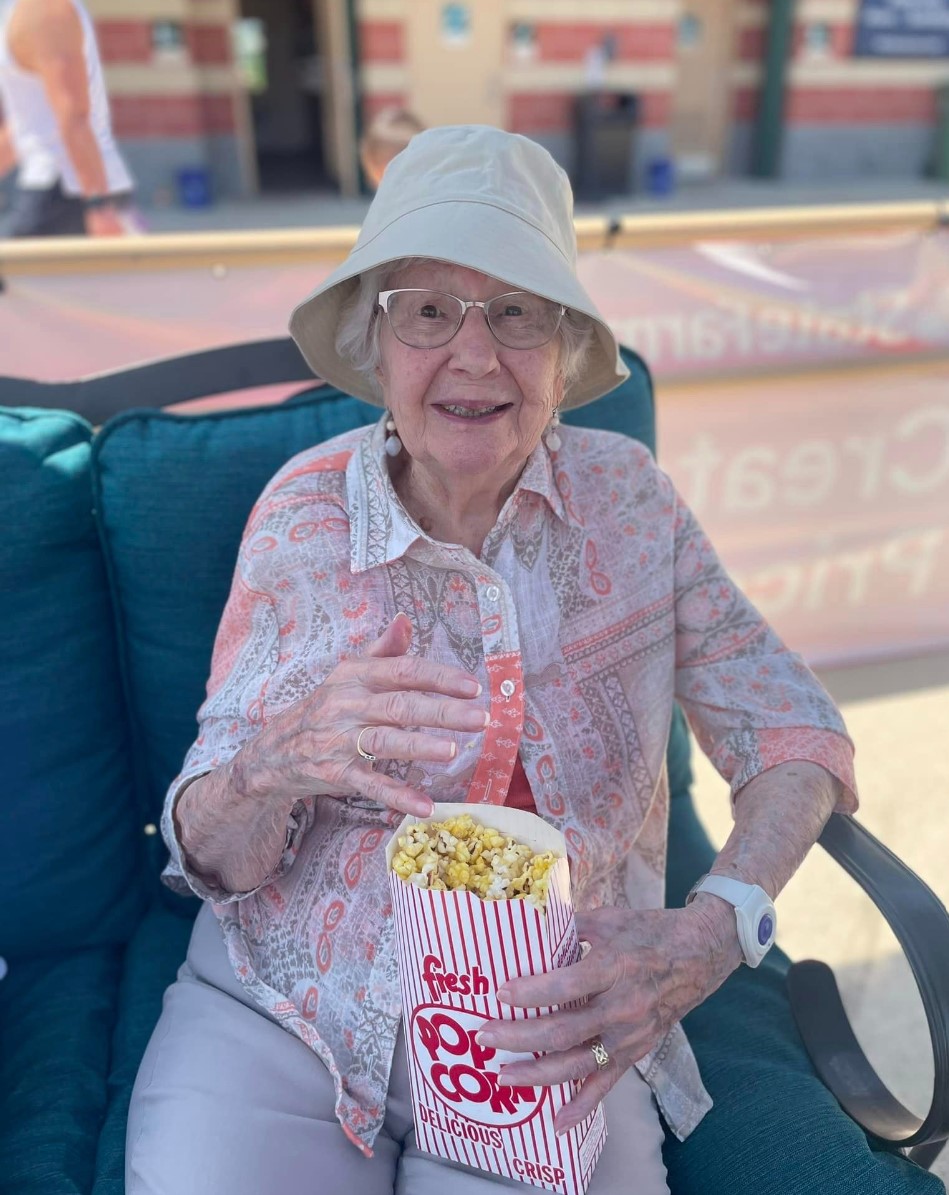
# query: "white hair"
x,y
357,336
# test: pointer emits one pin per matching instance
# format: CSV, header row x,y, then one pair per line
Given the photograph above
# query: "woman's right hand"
x,y
310,748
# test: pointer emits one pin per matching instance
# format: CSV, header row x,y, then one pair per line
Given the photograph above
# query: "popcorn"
x,y
461,854
478,897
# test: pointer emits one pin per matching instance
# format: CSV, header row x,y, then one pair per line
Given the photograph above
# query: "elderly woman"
x,y
464,602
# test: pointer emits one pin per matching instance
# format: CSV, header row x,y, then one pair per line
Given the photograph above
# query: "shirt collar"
x,y
381,529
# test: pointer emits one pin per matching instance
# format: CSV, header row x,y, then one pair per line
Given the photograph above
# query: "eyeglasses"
x,y
427,319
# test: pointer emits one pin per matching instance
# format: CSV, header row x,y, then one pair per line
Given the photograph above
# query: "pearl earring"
x,y
393,444
552,435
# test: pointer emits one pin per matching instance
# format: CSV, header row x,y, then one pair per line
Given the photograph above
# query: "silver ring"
x,y
600,1056
367,755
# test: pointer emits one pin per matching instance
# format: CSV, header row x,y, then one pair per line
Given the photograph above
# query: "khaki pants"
x,y
228,1103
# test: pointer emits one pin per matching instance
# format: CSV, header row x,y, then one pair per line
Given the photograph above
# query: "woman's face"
x,y
475,372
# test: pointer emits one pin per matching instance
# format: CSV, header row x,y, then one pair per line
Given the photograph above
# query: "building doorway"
x,y
455,61
279,49
701,105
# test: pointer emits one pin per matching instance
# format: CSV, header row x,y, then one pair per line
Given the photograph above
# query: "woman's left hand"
x,y
644,971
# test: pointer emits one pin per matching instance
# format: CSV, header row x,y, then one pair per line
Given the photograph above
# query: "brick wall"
x,y
156,95
172,109
539,90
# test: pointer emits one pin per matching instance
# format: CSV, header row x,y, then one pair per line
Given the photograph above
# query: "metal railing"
x,y
172,251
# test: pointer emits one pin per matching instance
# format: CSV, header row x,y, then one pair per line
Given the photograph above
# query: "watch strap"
x,y
755,916
734,891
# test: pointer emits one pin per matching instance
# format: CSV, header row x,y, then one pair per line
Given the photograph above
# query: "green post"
x,y
941,162
352,22
769,123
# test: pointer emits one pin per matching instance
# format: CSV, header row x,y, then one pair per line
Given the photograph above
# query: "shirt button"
x,y
507,688
492,593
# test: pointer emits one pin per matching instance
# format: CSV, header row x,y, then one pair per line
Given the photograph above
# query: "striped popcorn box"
x,y
455,951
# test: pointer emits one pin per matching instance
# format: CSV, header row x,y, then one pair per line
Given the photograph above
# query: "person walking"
x,y
56,126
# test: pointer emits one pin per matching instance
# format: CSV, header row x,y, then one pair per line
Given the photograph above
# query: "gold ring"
x,y
367,755
600,1055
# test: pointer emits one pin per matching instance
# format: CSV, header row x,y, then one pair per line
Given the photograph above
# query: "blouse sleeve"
x,y
245,661
751,702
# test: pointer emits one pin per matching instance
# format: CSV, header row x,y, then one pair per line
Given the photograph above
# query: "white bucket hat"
x,y
473,196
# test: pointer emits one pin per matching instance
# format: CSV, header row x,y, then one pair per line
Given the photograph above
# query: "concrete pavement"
x,y
319,209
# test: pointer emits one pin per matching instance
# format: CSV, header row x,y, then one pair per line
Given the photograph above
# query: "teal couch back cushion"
x,y
173,494
65,800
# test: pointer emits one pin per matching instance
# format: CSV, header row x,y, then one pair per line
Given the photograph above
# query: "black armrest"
x,y
921,925
167,381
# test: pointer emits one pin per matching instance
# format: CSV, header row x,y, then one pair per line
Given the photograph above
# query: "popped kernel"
x,y
457,874
460,854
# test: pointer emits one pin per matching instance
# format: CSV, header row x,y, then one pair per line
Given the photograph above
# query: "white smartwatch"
x,y
754,913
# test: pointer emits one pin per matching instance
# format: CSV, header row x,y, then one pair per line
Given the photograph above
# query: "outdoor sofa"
x,y
112,581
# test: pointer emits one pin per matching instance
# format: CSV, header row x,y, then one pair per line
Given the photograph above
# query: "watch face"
x,y
765,929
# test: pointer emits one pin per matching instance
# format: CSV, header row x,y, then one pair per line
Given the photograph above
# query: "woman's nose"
x,y
474,348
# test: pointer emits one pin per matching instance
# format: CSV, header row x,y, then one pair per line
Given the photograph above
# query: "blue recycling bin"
x,y
194,186
660,177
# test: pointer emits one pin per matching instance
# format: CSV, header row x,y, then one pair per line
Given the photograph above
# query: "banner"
x,y
803,403
61,326
902,29
721,309
696,312
804,415
828,499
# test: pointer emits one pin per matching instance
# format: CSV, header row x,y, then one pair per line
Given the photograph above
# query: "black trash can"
x,y
604,130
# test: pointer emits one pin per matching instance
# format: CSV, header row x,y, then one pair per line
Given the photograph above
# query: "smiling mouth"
x,y
473,412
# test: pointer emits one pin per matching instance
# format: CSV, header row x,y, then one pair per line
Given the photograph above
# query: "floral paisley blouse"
x,y
596,602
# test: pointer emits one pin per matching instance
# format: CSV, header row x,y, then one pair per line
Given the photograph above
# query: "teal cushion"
x,y
68,862
775,1129
154,955
756,1069
173,493
690,853
629,409
56,1020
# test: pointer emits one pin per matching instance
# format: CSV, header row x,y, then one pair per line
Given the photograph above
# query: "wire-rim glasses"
x,y
428,319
